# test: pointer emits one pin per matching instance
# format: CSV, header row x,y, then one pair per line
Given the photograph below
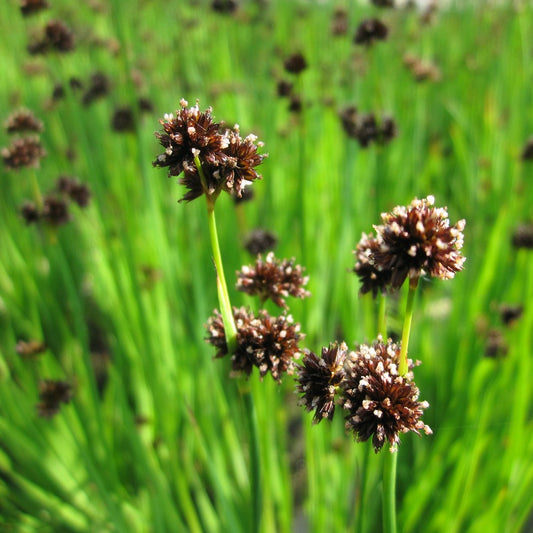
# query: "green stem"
x,y
222,289
255,460
402,367
36,191
389,492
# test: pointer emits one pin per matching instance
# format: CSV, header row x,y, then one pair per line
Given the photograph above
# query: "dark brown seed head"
x,y
418,240
123,119
495,346
527,151
339,22
99,87
58,36
379,402
74,190
509,314
55,211
383,3
30,213
23,152
23,120
266,342
369,31
225,6
372,279
523,236
273,279
295,63
52,393
29,7
260,241
319,378
284,88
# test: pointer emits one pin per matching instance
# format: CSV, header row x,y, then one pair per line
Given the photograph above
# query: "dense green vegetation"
x,y
155,437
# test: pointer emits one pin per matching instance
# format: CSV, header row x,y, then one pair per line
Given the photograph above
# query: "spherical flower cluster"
x,y
23,120
379,402
413,241
23,152
369,31
266,342
319,378
273,278
52,393
191,138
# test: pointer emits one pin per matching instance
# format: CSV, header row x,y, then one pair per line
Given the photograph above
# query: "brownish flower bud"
x,y
52,393
30,7
123,119
260,241
523,236
284,88
418,240
319,378
55,211
371,277
30,348
527,151
23,120
76,191
495,344
30,213
509,314
266,342
23,152
273,278
58,36
383,3
295,63
339,23
380,403
225,6
369,31
98,88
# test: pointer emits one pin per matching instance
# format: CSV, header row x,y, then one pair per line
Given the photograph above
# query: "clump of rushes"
x,y
53,393
273,279
370,31
268,343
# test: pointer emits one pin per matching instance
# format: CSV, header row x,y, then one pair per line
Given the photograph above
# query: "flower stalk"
x,y
406,332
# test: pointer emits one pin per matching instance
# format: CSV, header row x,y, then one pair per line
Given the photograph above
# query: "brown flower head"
x,y
509,314
339,23
380,403
55,211
99,86
238,167
58,36
495,346
227,161
225,6
319,378
523,236
418,240
260,241
123,119
295,63
266,342
23,152
29,7
30,213
284,88
372,279
527,151
383,3
273,278
52,393
365,128
369,31
74,190
23,120
30,348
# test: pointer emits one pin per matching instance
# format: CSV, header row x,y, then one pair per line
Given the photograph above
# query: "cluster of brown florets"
x,y
54,210
268,343
273,279
377,401
26,151
56,37
211,158
365,127
53,393
413,241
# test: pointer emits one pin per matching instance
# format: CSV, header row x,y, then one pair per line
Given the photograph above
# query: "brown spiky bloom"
x,y
295,63
52,393
260,241
266,342
55,210
273,278
228,162
29,7
365,128
418,240
99,87
123,119
319,378
30,213
523,236
23,152
369,31
380,403
372,279
74,190
23,120
59,36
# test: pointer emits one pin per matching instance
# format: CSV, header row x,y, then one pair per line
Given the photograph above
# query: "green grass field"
x,y
156,436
